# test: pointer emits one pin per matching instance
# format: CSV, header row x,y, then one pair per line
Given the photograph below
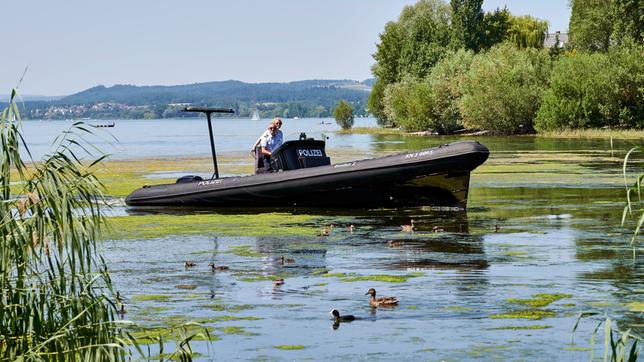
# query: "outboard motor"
x,y
303,153
189,178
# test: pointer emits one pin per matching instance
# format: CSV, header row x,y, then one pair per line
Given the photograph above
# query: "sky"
x,y
72,45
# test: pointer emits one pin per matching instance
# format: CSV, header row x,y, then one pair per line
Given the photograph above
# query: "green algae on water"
x,y
524,314
289,347
150,297
229,318
153,226
152,335
540,300
518,328
240,331
456,308
333,275
244,251
382,278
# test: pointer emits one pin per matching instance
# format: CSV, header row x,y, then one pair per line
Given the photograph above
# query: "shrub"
x,y
503,89
343,114
410,103
595,90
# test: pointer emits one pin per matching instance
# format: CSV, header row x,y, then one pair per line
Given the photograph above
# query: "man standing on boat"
x,y
270,143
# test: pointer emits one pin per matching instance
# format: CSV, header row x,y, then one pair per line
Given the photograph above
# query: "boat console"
x,y
302,153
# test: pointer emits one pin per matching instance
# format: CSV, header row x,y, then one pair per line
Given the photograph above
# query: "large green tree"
x,y
590,24
495,26
467,24
527,32
343,114
409,47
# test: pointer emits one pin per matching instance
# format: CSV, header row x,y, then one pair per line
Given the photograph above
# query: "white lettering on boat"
x,y
348,164
419,154
210,182
309,152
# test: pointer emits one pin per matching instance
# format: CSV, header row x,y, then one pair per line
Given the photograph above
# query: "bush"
x,y
431,103
503,89
343,114
594,91
410,103
446,80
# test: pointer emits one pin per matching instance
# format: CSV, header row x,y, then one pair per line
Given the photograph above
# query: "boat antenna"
x,y
208,112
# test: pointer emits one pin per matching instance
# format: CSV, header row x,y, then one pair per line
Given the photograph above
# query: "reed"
x,y
618,346
56,299
634,205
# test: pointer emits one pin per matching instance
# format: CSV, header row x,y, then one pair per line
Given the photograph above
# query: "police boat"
x,y
304,176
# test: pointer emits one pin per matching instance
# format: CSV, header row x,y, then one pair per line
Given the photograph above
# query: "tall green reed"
x,y
56,302
634,203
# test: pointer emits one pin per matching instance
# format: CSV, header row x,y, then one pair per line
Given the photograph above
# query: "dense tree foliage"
x,y
527,32
343,114
467,24
503,89
595,90
590,25
431,103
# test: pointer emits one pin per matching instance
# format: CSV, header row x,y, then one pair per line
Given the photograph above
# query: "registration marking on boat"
x,y
210,182
419,154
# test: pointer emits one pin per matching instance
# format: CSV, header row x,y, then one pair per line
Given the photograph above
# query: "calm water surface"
x,y
556,204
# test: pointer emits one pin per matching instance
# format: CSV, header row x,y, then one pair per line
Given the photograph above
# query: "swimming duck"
x,y
395,243
350,228
277,282
409,228
214,267
382,301
344,318
325,231
496,227
286,260
189,264
437,229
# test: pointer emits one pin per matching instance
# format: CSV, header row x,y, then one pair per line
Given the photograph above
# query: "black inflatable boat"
x,y
304,176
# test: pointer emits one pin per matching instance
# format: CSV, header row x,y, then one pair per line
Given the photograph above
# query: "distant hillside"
x,y
307,98
225,93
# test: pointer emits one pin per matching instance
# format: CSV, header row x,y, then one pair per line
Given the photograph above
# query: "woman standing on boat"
x,y
269,144
275,122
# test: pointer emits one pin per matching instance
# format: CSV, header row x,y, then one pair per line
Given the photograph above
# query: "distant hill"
x,y
224,93
30,98
306,98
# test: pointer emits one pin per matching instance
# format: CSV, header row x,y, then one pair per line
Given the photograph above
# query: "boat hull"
x,y
431,177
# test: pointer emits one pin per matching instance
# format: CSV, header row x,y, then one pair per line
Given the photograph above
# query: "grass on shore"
x,y
568,133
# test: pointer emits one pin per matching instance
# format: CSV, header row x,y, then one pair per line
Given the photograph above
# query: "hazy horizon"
x,y
76,45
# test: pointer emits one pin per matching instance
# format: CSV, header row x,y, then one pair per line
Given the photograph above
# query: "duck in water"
x,y
381,301
409,228
337,318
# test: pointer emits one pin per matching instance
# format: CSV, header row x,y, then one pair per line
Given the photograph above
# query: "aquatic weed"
x,y
524,314
289,347
540,300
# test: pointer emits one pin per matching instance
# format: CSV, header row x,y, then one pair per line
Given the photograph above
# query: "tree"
x,y
590,25
343,114
628,22
409,47
467,24
527,32
503,89
495,26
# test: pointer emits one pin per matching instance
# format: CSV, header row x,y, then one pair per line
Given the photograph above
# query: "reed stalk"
x,y
56,299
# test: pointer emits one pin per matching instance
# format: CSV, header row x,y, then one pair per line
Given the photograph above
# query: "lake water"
x,y
179,137
543,218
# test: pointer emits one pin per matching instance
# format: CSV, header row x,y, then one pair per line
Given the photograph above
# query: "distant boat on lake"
x,y
106,125
255,116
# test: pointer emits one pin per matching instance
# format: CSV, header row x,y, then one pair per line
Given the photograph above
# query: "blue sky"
x,y
72,45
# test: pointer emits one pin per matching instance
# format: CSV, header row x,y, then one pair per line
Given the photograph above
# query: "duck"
x,y
437,229
214,267
382,301
496,227
286,260
189,264
326,231
409,228
337,318
277,282
350,228
395,243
